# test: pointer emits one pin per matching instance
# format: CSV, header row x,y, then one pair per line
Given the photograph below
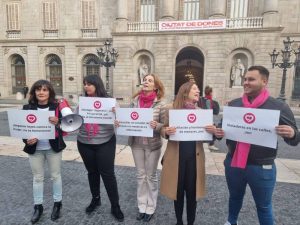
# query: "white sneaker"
x,y
213,148
227,223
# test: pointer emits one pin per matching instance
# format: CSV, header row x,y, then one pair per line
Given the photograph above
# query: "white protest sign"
x,y
97,110
30,124
190,124
253,126
134,121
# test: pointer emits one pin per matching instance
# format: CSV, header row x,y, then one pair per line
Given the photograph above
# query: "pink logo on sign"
x,y
97,104
31,118
191,118
249,118
134,115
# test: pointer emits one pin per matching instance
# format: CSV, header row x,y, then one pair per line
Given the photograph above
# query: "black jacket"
x,y
260,155
57,144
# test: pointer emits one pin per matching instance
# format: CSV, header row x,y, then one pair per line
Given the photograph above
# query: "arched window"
x,y
91,65
54,72
18,73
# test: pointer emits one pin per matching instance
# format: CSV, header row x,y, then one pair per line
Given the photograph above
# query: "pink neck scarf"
x,y
146,101
189,105
88,127
242,150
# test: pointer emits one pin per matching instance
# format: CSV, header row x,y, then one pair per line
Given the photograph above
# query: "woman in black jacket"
x,y
42,97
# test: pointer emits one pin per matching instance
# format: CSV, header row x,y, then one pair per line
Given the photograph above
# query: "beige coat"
x,y
169,174
155,142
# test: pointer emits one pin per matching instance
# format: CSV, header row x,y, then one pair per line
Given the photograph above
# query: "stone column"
x,y
168,10
217,9
122,10
270,13
120,25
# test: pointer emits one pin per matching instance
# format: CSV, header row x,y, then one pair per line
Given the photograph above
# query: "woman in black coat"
x,y
42,97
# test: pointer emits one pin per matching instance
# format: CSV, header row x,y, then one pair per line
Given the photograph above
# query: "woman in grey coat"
x,y
146,150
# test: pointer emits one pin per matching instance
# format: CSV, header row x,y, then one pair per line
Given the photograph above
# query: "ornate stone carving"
x,y
42,50
23,50
61,50
81,50
6,50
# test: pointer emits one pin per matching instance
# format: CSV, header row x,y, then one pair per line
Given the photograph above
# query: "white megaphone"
x,y
70,121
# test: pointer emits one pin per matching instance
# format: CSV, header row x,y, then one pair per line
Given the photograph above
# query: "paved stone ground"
x,y
16,204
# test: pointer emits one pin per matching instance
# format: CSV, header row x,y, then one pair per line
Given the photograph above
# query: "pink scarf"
x,y
146,101
189,105
88,127
242,150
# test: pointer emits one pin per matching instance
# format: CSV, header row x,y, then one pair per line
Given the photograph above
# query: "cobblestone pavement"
x,y
16,204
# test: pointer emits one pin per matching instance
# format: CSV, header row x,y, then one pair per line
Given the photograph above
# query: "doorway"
x,y
189,67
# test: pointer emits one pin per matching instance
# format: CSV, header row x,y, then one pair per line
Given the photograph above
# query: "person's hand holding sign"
x,y
32,141
53,120
285,131
210,129
219,132
170,130
153,124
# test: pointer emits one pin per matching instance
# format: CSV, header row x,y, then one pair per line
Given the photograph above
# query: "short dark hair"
x,y
38,85
208,90
98,83
261,69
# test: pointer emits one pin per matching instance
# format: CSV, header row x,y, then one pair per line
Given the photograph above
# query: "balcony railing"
x,y
248,22
50,34
143,26
13,34
89,33
233,23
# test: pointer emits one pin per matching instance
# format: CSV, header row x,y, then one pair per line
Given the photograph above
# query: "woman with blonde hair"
x,y
183,171
146,150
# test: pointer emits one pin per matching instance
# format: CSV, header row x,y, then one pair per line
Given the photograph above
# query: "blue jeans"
x,y
37,163
261,180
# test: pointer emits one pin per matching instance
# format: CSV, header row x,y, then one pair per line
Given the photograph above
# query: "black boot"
x,y
93,205
38,211
117,213
56,211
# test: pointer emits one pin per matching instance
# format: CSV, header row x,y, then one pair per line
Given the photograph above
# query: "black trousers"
x,y
99,161
186,182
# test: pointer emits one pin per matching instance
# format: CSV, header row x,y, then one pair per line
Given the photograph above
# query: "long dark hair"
x,y
38,85
98,83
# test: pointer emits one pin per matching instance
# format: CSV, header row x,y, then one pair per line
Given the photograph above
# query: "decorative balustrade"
x,y
13,34
143,26
50,34
247,22
233,23
89,33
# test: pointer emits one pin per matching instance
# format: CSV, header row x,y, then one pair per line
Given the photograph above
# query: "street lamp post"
x,y
107,57
285,64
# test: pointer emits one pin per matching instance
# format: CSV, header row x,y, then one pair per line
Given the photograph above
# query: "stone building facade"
x,y
58,40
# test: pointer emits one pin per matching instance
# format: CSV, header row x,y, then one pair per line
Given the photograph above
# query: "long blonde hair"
x,y
160,89
182,95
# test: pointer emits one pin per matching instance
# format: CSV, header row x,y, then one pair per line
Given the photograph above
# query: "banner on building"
x,y
192,25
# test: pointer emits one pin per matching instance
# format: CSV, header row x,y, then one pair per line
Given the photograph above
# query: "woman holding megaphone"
x,y
42,97
97,146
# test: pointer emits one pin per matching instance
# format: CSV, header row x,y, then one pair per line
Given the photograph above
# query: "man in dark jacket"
x,y
259,170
